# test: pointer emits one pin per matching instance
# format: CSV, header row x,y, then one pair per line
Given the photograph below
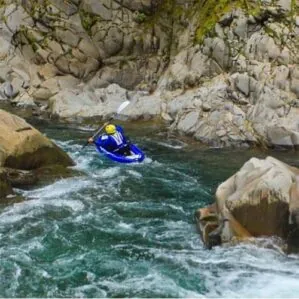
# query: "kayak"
x,y
136,155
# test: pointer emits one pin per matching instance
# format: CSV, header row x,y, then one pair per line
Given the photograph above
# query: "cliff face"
x,y
225,72
99,42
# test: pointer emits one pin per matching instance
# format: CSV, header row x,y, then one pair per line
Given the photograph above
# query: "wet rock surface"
x,y
260,200
26,156
24,147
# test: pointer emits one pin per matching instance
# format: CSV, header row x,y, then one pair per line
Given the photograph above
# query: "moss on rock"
x,y
210,12
88,20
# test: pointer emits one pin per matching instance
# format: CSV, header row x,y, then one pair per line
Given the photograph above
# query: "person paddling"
x,y
113,141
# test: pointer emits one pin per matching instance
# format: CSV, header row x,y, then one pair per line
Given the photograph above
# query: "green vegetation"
x,y
4,18
295,8
210,12
29,36
88,20
271,32
44,43
140,17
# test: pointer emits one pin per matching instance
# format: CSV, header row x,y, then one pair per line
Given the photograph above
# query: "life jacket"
x,y
118,139
112,142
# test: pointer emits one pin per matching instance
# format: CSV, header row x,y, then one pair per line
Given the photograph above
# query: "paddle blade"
x,y
122,106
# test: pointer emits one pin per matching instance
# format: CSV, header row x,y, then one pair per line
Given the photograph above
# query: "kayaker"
x,y
113,141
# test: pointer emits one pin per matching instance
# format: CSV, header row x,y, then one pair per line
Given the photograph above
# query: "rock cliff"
x,y
224,72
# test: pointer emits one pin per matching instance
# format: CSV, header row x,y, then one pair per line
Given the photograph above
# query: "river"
x,y
128,230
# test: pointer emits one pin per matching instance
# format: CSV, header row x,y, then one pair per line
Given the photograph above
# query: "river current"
x,y
128,230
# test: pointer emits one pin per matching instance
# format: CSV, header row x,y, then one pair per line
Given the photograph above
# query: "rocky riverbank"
x,y
223,72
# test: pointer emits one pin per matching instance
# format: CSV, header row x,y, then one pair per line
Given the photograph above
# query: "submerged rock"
x,y
5,187
20,178
261,199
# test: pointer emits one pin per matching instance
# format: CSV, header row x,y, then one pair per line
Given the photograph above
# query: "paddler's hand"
x,y
90,140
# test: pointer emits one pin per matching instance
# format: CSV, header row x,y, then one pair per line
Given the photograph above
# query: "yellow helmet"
x,y
110,129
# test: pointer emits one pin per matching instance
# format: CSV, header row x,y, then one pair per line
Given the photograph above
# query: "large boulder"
x,y
261,199
24,147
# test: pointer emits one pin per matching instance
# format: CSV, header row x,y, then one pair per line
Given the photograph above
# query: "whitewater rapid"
x,y
128,231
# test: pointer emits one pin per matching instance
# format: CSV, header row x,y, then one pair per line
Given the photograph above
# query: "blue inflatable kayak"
x,y
136,155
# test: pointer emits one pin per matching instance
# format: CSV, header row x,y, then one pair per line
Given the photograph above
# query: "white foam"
x,y
134,173
60,188
168,145
125,226
110,172
174,207
153,282
80,292
32,208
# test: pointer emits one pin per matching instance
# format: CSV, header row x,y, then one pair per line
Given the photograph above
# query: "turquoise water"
x,y
128,230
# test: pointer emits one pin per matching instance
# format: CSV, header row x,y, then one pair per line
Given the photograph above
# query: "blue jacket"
x,y
112,142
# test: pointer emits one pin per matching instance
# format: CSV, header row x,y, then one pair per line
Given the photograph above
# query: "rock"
x,y
145,107
67,37
5,47
219,51
182,103
68,7
242,83
23,147
240,27
42,94
61,51
285,4
48,71
188,122
100,8
88,48
48,174
24,100
295,86
261,47
282,137
16,18
257,201
4,71
62,64
72,104
292,239
20,178
281,74
55,46
5,187
113,42
207,222
139,5
7,90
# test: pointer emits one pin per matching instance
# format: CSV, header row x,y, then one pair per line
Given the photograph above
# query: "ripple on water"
x,y
128,231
